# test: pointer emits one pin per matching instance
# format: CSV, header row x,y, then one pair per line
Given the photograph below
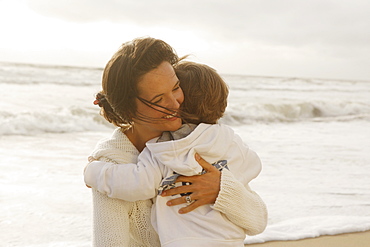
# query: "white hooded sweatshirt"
x,y
206,225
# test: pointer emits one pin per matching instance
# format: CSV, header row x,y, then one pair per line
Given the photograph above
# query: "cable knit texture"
x,y
243,206
117,222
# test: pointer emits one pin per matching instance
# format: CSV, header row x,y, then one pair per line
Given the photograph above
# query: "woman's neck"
x,y
139,138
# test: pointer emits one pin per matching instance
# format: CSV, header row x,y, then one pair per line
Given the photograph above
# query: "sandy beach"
x,y
356,239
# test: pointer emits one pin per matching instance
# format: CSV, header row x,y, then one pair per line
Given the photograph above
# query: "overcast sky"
x,y
295,38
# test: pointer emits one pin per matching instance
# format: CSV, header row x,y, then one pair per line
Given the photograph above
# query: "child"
x,y
172,154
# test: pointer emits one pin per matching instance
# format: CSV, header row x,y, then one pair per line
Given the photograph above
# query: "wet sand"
x,y
357,239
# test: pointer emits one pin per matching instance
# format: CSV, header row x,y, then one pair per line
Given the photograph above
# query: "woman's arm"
x,y
237,201
241,205
129,182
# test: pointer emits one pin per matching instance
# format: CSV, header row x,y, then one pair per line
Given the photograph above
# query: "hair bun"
x,y
99,99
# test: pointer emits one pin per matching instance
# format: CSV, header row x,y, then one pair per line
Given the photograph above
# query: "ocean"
x,y
312,135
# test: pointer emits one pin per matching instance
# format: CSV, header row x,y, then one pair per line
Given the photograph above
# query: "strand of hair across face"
x,y
151,104
185,116
101,99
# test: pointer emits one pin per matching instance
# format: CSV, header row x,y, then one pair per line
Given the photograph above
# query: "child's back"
x,y
205,102
203,226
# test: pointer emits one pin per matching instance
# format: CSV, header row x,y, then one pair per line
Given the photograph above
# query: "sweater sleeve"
x,y
234,196
129,182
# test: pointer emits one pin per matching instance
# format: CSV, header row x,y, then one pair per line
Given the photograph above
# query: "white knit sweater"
x,y
116,222
123,223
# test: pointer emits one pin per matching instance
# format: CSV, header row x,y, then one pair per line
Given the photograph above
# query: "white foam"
x,y
301,228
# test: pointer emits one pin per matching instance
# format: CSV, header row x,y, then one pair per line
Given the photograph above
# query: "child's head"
x,y
204,90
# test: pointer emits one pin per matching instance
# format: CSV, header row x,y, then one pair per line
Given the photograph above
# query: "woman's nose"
x,y
175,103
176,100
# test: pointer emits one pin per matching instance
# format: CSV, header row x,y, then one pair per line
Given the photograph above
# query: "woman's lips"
x,y
171,117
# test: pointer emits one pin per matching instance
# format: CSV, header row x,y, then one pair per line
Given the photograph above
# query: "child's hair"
x,y
204,90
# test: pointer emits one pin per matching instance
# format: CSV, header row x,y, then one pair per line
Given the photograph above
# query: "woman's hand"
x,y
204,188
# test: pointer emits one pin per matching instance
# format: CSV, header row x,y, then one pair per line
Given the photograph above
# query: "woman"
x,y
141,95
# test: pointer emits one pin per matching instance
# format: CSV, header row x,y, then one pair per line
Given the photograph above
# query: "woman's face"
x,y
161,87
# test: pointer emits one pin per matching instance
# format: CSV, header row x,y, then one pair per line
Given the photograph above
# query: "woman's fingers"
x,y
197,201
193,197
176,201
190,207
204,188
201,184
206,166
179,190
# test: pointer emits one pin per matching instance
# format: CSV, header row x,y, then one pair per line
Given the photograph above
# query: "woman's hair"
x,y
122,73
205,93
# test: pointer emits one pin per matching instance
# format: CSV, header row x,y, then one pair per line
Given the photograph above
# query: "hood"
x,y
209,141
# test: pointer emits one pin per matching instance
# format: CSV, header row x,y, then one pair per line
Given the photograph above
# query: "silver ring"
x,y
188,199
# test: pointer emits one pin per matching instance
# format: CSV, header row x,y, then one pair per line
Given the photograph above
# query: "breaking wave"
x,y
64,120
78,119
305,111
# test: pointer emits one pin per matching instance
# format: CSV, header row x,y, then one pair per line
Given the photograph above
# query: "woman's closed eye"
x,y
159,99
156,101
176,88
